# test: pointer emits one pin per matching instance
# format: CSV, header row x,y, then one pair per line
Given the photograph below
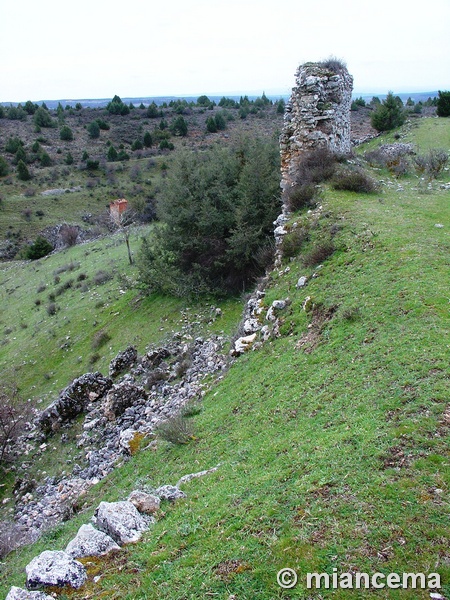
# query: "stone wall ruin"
x,y
317,114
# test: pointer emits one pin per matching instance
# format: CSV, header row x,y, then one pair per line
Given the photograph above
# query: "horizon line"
x,y
253,94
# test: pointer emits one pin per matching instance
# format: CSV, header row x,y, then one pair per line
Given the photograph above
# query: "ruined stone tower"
x,y
317,114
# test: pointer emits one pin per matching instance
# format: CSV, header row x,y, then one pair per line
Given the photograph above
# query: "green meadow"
x,y
331,440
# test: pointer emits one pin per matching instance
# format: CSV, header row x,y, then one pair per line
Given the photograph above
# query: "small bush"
x,y
431,164
293,241
27,214
148,141
211,125
318,165
4,167
42,118
191,409
137,145
68,234
66,134
64,287
72,266
398,166
318,254
333,64
176,430
304,195
122,155
39,248
352,313
166,145
112,153
354,180
94,130
44,159
94,358
102,277
51,309
92,165
312,168
13,144
103,125
100,339
22,171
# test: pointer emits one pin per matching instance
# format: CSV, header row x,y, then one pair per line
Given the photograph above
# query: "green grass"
x,y
25,211
331,440
83,310
424,133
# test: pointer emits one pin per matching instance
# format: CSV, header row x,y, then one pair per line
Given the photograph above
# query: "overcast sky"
x,y
75,49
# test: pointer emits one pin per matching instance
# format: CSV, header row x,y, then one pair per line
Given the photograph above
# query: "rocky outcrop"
x,y
90,542
121,521
117,522
122,396
171,493
16,593
73,400
124,360
55,568
134,413
145,503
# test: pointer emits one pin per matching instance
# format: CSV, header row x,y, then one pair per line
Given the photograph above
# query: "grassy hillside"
x,y
81,307
331,439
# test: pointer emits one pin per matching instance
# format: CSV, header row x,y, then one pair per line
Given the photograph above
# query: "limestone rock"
x,y
121,396
121,521
251,325
124,360
145,503
154,358
54,568
73,400
170,493
243,344
397,149
279,304
90,542
16,593
301,282
126,438
275,307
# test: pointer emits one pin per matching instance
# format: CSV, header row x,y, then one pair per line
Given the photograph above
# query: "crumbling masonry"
x,y
317,114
